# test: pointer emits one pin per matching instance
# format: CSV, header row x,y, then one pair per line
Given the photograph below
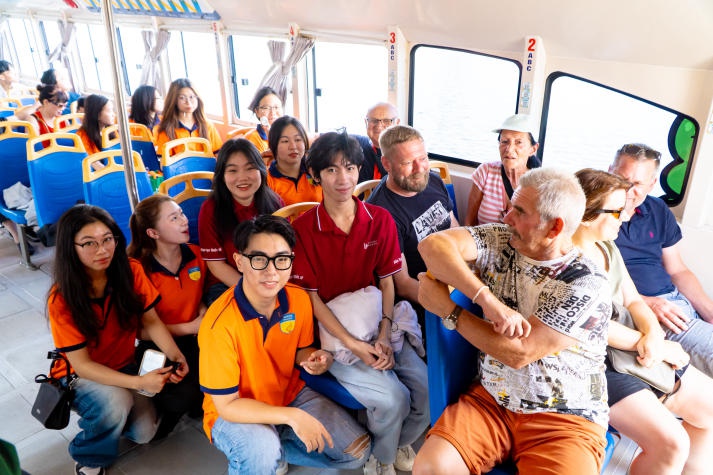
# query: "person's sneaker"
x,y
404,458
374,467
282,468
82,470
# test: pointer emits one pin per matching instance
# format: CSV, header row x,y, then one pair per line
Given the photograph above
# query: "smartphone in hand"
x,y
151,360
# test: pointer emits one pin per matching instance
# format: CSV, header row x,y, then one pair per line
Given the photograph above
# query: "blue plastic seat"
x,y
13,163
68,122
55,174
186,191
327,385
445,173
106,187
452,366
142,142
191,154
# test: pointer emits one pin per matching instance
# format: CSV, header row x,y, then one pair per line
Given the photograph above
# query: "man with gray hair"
x,y
417,200
542,395
379,117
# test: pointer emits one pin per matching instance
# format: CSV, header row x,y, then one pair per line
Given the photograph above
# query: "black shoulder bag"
x,y
54,401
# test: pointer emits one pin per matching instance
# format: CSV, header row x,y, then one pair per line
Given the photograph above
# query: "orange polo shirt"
x,y
244,352
293,190
181,132
181,293
115,345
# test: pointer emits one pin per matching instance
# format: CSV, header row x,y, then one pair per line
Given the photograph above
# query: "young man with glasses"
x,y
379,117
649,244
253,338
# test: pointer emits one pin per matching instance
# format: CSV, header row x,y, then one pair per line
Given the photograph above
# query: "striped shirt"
x,y
488,180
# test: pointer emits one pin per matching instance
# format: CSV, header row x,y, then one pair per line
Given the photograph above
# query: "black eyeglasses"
x,y
375,122
261,261
614,212
638,149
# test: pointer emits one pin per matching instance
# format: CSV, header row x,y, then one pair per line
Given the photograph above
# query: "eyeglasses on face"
x,y
187,98
108,242
261,261
269,108
616,213
384,122
637,149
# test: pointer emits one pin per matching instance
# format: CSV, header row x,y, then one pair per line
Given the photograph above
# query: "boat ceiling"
x,y
669,33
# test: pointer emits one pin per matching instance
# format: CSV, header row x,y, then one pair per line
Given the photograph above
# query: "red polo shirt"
x,y
331,262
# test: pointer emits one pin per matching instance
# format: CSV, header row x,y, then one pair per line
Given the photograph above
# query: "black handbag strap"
x,y
55,356
532,162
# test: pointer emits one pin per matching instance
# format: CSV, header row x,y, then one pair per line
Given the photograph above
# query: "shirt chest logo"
x,y
369,244
194,273
287,323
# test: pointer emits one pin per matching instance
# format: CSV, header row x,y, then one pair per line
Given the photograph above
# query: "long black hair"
x,y
93,105
266,201
73,283
143,103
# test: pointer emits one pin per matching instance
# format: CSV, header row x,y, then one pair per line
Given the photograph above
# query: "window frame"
x,y
412,73
671,197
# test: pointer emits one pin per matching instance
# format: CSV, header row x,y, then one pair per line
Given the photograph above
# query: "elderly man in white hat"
x,y
494,182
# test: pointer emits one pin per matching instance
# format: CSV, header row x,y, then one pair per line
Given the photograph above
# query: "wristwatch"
x,y
451,320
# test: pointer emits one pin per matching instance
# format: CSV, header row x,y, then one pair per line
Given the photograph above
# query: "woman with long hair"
x,y
287,175
184,116
146,106
98,114
644,414
98,301
159,240
239,193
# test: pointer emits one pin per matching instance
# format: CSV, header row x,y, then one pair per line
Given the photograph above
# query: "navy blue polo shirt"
x,y
641,242
372,158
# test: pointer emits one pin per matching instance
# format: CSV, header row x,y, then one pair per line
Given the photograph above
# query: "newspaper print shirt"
x,y
570,295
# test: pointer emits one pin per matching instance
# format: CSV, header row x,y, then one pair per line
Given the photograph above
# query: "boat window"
x,y
251,61
347,80
587,122
193,55
133,50
95,60
51,36
457,98
26,55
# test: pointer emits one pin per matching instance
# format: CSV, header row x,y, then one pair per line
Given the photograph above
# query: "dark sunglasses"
x,y
614,212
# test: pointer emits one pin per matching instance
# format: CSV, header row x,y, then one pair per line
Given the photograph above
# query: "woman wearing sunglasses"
x,y
638,410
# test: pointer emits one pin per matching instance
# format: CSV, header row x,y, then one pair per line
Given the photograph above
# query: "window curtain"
x,y
60,54
150,71
278,74
3,39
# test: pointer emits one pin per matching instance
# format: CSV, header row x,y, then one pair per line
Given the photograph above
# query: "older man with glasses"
x,y
379,117
649,244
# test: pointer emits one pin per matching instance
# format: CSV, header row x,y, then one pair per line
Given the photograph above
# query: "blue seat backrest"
x,y
328,386
191,164
109,192
452,194
191,208
13,163
56,177
452,360
148,154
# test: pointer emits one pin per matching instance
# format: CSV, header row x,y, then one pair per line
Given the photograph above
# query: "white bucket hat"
x,y
518,123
